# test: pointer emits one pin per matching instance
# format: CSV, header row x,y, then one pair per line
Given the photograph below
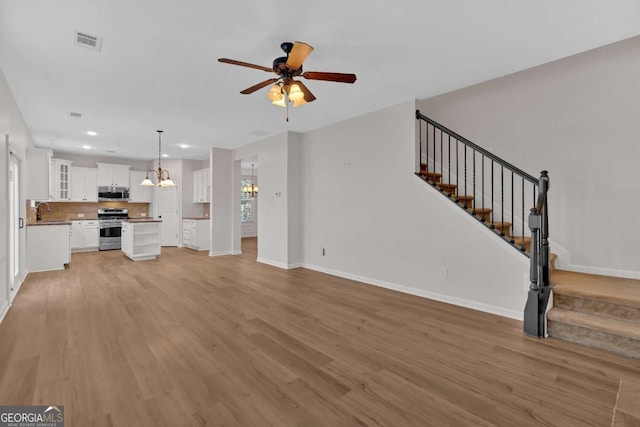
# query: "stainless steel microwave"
x,y
113,194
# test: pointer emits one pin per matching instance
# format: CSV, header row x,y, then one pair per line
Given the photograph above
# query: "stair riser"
x,y
600,308
623,346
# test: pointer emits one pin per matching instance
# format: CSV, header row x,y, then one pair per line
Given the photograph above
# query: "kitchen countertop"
x,y
53,222
137,220
195,217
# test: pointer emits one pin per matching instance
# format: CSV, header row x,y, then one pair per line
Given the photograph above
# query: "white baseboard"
x,y
500,311
221,253
602,271
4,310
237,252
280,264
18,288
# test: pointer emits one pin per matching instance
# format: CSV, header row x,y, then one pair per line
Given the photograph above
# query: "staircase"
x,y
499,195
597,311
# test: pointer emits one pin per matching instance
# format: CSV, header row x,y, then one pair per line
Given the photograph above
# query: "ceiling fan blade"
x,y
260,85
332,77
298,54
244,64
308,96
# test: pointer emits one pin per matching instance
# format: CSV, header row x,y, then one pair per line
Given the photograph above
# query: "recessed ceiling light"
x,y
92,133
165,155
86,147
184,145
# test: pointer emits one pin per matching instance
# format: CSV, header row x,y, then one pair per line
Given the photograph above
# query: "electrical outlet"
x,y
143,214
80,215
444,273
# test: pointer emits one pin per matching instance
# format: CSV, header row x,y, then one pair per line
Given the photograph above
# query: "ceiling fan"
x,y
285,87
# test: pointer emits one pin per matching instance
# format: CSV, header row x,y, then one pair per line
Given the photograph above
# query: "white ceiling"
x,y
158,66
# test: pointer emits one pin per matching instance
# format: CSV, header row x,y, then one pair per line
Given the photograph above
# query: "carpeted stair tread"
x,y
613,290
594,322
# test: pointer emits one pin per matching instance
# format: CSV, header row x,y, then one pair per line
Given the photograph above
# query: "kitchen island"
x,y
48,245
141,238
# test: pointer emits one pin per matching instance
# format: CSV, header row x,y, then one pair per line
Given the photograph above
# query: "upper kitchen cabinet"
x,y
38,174
113,175
201,186
137,192
84,184
60,180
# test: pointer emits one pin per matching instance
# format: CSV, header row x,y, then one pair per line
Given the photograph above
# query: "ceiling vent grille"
x,y
75,115
87,41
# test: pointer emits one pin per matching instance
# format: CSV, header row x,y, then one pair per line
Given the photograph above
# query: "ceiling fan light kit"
x,y
284,89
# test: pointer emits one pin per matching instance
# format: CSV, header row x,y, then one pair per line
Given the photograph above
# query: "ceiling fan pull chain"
x,y
286,103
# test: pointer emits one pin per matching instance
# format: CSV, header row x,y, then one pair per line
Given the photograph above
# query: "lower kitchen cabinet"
x,y
195,234
48,246
141,239
85,236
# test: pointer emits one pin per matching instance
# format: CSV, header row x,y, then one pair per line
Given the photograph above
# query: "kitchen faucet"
x,y
38,215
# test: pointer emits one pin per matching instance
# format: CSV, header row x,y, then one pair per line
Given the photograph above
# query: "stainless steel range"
x,y
110,220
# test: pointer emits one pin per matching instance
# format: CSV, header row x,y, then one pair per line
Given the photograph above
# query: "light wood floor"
x,y
193,340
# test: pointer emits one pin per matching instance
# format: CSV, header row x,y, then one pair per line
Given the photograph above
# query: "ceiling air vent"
x,y
75,115
87,41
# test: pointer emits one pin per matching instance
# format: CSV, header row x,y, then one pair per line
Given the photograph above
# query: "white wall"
x,y
19,138
381,224
272,153
222,202
294,199
577,118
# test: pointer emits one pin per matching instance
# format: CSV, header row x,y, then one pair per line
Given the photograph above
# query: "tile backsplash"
x,y
70,210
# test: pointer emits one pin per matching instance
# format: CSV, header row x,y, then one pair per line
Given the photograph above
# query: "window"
x,y
246,214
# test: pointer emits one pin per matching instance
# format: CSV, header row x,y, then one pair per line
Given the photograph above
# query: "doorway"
x,y
249,190
16,223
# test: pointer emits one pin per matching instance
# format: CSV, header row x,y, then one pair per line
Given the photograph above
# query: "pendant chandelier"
x,y
250,189
160,173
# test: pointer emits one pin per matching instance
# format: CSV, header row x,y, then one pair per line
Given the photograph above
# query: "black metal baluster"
x,y
465,175
434,156
502,198
420,146
441,163
474,180
513,222
482,213
457,171
523,246
449,163
493,216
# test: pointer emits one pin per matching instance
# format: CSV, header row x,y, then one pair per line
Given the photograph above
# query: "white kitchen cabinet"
x,y
195,234
48,247
141,239
76,236
84,184
91,234
201,186
85,236
38,174
113,175
138,193
60,180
